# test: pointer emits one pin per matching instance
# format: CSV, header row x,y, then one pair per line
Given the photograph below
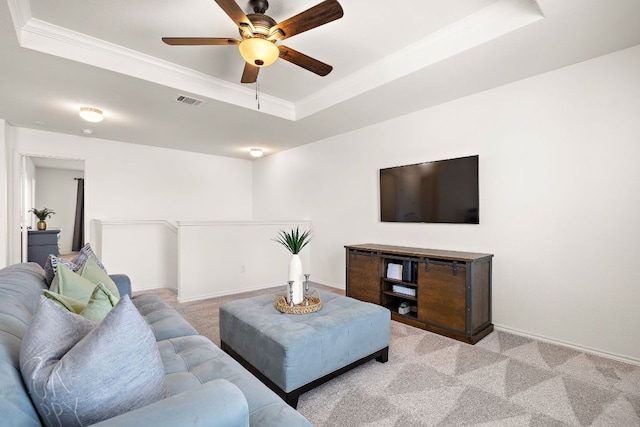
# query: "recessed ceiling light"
x,y
91,114
256,152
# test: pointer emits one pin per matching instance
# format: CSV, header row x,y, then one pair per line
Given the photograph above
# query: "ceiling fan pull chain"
x,y
258,93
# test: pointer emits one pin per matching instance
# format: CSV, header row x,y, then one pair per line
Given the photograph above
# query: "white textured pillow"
x,y
79,373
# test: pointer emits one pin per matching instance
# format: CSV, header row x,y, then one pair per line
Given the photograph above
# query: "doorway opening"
x,y
57,184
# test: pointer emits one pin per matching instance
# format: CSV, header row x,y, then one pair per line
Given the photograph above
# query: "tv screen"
x,y
444,191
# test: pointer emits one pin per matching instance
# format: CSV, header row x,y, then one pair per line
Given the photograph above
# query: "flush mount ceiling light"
x,y
256,152
91,114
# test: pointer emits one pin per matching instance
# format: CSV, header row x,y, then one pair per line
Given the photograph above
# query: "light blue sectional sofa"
x,y
206,386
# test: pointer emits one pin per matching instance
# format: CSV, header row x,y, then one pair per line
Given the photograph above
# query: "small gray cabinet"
x,y
41,244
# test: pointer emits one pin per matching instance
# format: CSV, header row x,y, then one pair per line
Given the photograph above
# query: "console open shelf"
x,y
449,292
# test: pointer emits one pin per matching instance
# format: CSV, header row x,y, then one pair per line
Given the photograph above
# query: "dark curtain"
x,y
78,227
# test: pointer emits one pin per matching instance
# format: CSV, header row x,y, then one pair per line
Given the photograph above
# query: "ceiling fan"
x,y
260,33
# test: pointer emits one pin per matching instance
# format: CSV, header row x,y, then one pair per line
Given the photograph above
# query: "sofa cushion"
x,y
20,286
78,373
164,321
191,361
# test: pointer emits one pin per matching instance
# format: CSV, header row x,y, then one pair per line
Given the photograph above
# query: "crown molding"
x,y
58,41
497,19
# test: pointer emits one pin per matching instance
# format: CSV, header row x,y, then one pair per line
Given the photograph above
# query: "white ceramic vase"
x,y
295,275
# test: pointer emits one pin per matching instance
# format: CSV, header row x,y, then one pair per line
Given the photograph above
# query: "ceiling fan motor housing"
x,y
262,24
259,6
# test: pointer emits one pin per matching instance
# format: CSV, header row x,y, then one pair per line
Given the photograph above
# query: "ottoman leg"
x,y
292,399
384,355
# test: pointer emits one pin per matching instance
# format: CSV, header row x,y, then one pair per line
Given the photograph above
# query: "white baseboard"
x,y
153,288
600,353
331,285
231,292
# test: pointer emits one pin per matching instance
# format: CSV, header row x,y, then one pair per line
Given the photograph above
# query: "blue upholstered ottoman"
x,y
294,353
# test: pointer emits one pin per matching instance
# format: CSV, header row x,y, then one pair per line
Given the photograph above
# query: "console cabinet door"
x,y
442,295
363,277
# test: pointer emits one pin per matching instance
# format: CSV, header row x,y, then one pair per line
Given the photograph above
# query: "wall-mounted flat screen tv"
x,y
443,191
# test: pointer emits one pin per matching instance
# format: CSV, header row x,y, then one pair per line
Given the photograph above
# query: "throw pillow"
x,y
71,304
51,267
92,271
84,255
99,304
76,264
79,374
80,284
71,284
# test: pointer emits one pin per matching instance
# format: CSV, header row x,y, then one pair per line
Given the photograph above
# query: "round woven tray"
x,y
315,304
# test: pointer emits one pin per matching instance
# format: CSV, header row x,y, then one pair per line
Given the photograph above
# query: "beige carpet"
x,y
504,380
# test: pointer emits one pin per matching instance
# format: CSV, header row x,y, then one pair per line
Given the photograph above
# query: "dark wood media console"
x,y
448,292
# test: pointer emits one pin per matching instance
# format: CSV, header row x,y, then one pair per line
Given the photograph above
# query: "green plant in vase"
x,y
42,214
404,307
295,241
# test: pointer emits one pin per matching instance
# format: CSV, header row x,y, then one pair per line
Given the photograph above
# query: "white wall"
x,y
57,189
559,197
4,258
232,257
137,182
152,262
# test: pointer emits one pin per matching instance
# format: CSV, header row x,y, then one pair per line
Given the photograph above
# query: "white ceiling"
x,y
58,55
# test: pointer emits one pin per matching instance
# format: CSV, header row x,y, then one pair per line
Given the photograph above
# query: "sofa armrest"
x,y
123,283
216,403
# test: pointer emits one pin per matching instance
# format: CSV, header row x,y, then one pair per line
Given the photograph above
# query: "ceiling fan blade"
x,y
320,14
198,41
236,14
250,73
304,61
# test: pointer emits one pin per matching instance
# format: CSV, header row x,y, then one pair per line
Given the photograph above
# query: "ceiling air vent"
x,y
184,99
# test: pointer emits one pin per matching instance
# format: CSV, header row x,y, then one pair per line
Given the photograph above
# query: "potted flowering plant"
x,y
42,215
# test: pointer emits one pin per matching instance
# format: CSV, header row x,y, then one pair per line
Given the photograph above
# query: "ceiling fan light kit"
x,y
260,33
258,51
